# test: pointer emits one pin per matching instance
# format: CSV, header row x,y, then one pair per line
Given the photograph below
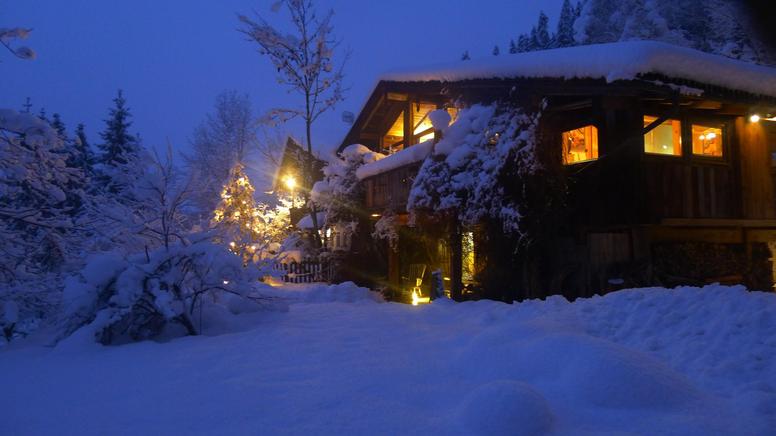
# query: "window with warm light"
x,y
422,130
707,140
580,145
664,139
393,140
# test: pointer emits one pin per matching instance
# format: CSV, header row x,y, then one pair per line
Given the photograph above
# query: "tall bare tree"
x,y
305,64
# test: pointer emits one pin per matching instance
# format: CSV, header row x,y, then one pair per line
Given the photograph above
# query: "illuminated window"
x,y
393,140
422,130
707,140
666,138
580,145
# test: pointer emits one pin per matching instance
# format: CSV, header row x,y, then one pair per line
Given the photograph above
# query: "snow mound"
x,y
316,293
347,292
604,374
506,407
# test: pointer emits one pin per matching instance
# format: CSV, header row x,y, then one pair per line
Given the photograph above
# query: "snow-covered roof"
x,y
612,61
415,153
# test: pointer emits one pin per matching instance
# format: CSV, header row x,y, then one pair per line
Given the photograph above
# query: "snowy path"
x,y
639,362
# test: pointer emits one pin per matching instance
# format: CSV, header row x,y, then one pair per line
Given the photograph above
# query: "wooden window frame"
x,y
659,120
597,143
724,126
688,120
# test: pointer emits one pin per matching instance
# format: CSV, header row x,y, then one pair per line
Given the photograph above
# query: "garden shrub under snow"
x,y
140,297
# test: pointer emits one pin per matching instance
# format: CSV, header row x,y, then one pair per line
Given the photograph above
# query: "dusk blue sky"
x,y
172,57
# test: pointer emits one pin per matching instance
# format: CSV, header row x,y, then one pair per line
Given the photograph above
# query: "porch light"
x,y
328,232
418,299
375,215
754,118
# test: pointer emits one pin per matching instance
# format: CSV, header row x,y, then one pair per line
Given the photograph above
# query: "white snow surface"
x,y
612,61
306,223
687,361
409,155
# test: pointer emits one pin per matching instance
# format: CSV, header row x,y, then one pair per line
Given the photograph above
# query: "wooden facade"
x,y
632,217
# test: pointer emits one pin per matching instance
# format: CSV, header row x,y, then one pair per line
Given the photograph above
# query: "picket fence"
x,y
307,271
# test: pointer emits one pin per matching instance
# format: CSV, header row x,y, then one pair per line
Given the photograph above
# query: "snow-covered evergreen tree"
x,y
41,211
496,51
523,43
122,158
564,35
254,231
714,26
59,126
512,46
83,156
465,56
540,35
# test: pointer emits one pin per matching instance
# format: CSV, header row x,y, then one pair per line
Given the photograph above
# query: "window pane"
x,y
663,139
580,145
394,136
707,140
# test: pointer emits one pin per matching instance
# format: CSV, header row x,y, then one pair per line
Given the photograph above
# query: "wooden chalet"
x,y
667,155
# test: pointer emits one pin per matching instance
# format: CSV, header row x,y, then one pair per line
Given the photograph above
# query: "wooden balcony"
x,y
390,190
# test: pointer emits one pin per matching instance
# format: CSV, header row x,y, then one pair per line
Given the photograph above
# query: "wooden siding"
x,y
677,189
756,180
391,189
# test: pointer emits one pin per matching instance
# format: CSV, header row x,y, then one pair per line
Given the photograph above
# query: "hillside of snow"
x,y
340,361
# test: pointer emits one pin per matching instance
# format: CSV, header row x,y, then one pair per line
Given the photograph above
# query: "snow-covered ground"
x,y
339,361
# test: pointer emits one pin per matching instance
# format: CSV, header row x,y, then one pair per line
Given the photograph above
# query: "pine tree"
x,y
38,202
248,228
564,36
639,24
512,46
58,125
496,50
83,156
119,145
465,56
540,35
523,43
27,106
122,157
80,133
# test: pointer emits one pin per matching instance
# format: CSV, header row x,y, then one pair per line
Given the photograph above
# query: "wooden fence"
x,y
307,271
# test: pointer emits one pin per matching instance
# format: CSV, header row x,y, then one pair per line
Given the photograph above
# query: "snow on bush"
x,y
139,297
464,175
339,193
386,228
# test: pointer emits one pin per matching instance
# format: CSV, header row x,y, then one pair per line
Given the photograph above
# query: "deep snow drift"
x,y
339,361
